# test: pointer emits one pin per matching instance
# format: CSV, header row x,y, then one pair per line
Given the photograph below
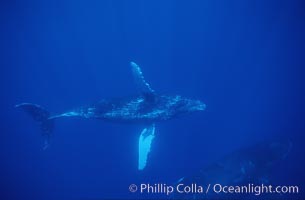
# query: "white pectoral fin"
x,y
145,140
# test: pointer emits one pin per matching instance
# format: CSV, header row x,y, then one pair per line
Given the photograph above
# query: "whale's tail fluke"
x,y
42,116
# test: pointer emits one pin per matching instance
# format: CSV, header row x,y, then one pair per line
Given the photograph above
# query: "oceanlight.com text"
x,y
159,188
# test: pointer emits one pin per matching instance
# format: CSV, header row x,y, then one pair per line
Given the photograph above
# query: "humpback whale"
x,y
249,165
147,107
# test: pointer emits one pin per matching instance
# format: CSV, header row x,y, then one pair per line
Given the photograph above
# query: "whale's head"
x,y
190,105
180,105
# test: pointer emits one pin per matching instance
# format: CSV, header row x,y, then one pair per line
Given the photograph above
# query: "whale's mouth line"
x,y
199,106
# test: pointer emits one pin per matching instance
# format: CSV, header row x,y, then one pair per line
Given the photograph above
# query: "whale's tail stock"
x,y
42,116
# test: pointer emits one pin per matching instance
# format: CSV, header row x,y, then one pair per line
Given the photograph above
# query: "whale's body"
x,y
147,107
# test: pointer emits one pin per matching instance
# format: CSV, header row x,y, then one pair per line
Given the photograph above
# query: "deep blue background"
x,y
244,59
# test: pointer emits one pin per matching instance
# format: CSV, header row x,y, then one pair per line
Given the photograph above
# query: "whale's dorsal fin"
x,y
143,86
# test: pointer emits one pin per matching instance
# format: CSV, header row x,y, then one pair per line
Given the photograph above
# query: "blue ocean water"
x,y
244,59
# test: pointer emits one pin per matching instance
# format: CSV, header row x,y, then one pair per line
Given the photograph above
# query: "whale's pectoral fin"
x,y
145,140
139,79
